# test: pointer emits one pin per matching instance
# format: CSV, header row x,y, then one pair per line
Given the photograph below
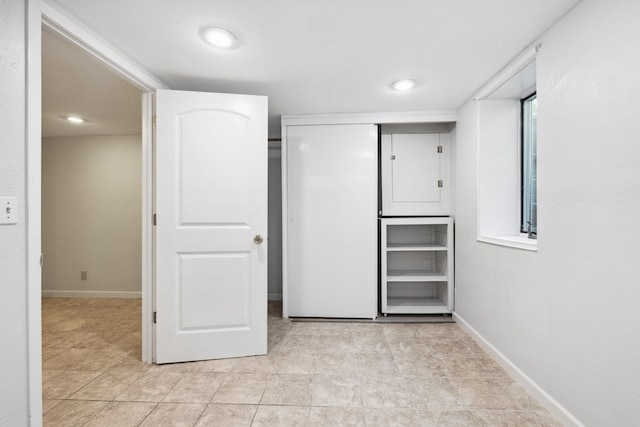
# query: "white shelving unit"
x,y
416,265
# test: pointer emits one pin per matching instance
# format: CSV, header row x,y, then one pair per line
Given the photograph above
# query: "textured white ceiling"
x,y
325,56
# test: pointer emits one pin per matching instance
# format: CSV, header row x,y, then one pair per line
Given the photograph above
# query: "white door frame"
x,y
39,14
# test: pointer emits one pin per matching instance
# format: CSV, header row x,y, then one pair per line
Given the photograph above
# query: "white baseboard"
x,y
559,411
90,294
275,297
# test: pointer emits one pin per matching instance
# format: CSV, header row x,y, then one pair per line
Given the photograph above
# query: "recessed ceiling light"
x,y
75,119
404,84
219,37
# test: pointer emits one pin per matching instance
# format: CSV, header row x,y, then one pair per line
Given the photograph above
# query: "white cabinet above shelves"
x,y
414,164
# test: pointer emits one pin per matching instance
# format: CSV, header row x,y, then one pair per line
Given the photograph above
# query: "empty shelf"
x,y
415,276
416,305
398,247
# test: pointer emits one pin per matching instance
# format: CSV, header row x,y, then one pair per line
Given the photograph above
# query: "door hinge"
x,y
155,216
440,184
155,317
154,120
439,148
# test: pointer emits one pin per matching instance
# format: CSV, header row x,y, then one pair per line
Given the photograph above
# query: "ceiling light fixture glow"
x,y
219,37
405,84
75,119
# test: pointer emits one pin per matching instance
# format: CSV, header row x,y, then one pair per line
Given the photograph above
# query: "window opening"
x,y
529,217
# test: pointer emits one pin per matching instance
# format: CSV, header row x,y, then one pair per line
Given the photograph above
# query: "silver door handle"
x,y
258,239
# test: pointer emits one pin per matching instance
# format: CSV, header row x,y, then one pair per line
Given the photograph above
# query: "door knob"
x,y
258,239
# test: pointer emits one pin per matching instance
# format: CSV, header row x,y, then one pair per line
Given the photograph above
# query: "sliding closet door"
x,y
332,241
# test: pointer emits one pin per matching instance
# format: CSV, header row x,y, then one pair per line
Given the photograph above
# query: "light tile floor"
x,y
316,374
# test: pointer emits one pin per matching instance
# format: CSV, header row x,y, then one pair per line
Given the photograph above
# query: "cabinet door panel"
x,y
332,191
415,168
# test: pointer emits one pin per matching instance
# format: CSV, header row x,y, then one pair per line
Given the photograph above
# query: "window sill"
x,y
519,242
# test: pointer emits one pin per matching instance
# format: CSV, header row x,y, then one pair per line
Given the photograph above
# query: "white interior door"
x,y
211,206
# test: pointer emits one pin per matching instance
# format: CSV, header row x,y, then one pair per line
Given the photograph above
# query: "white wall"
x,y
568,315
91,215
13,293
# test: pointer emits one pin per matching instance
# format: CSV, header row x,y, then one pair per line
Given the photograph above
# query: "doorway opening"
x,y
91,212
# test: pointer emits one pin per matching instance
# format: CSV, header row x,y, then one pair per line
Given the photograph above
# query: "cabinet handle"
x,y
258,239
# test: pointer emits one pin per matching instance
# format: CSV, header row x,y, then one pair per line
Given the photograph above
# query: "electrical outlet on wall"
x,y
83,275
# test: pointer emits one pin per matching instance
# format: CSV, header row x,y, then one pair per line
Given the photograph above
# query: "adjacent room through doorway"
x,y
91,208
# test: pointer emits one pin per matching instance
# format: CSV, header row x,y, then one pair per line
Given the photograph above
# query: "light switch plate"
x,y
8,210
